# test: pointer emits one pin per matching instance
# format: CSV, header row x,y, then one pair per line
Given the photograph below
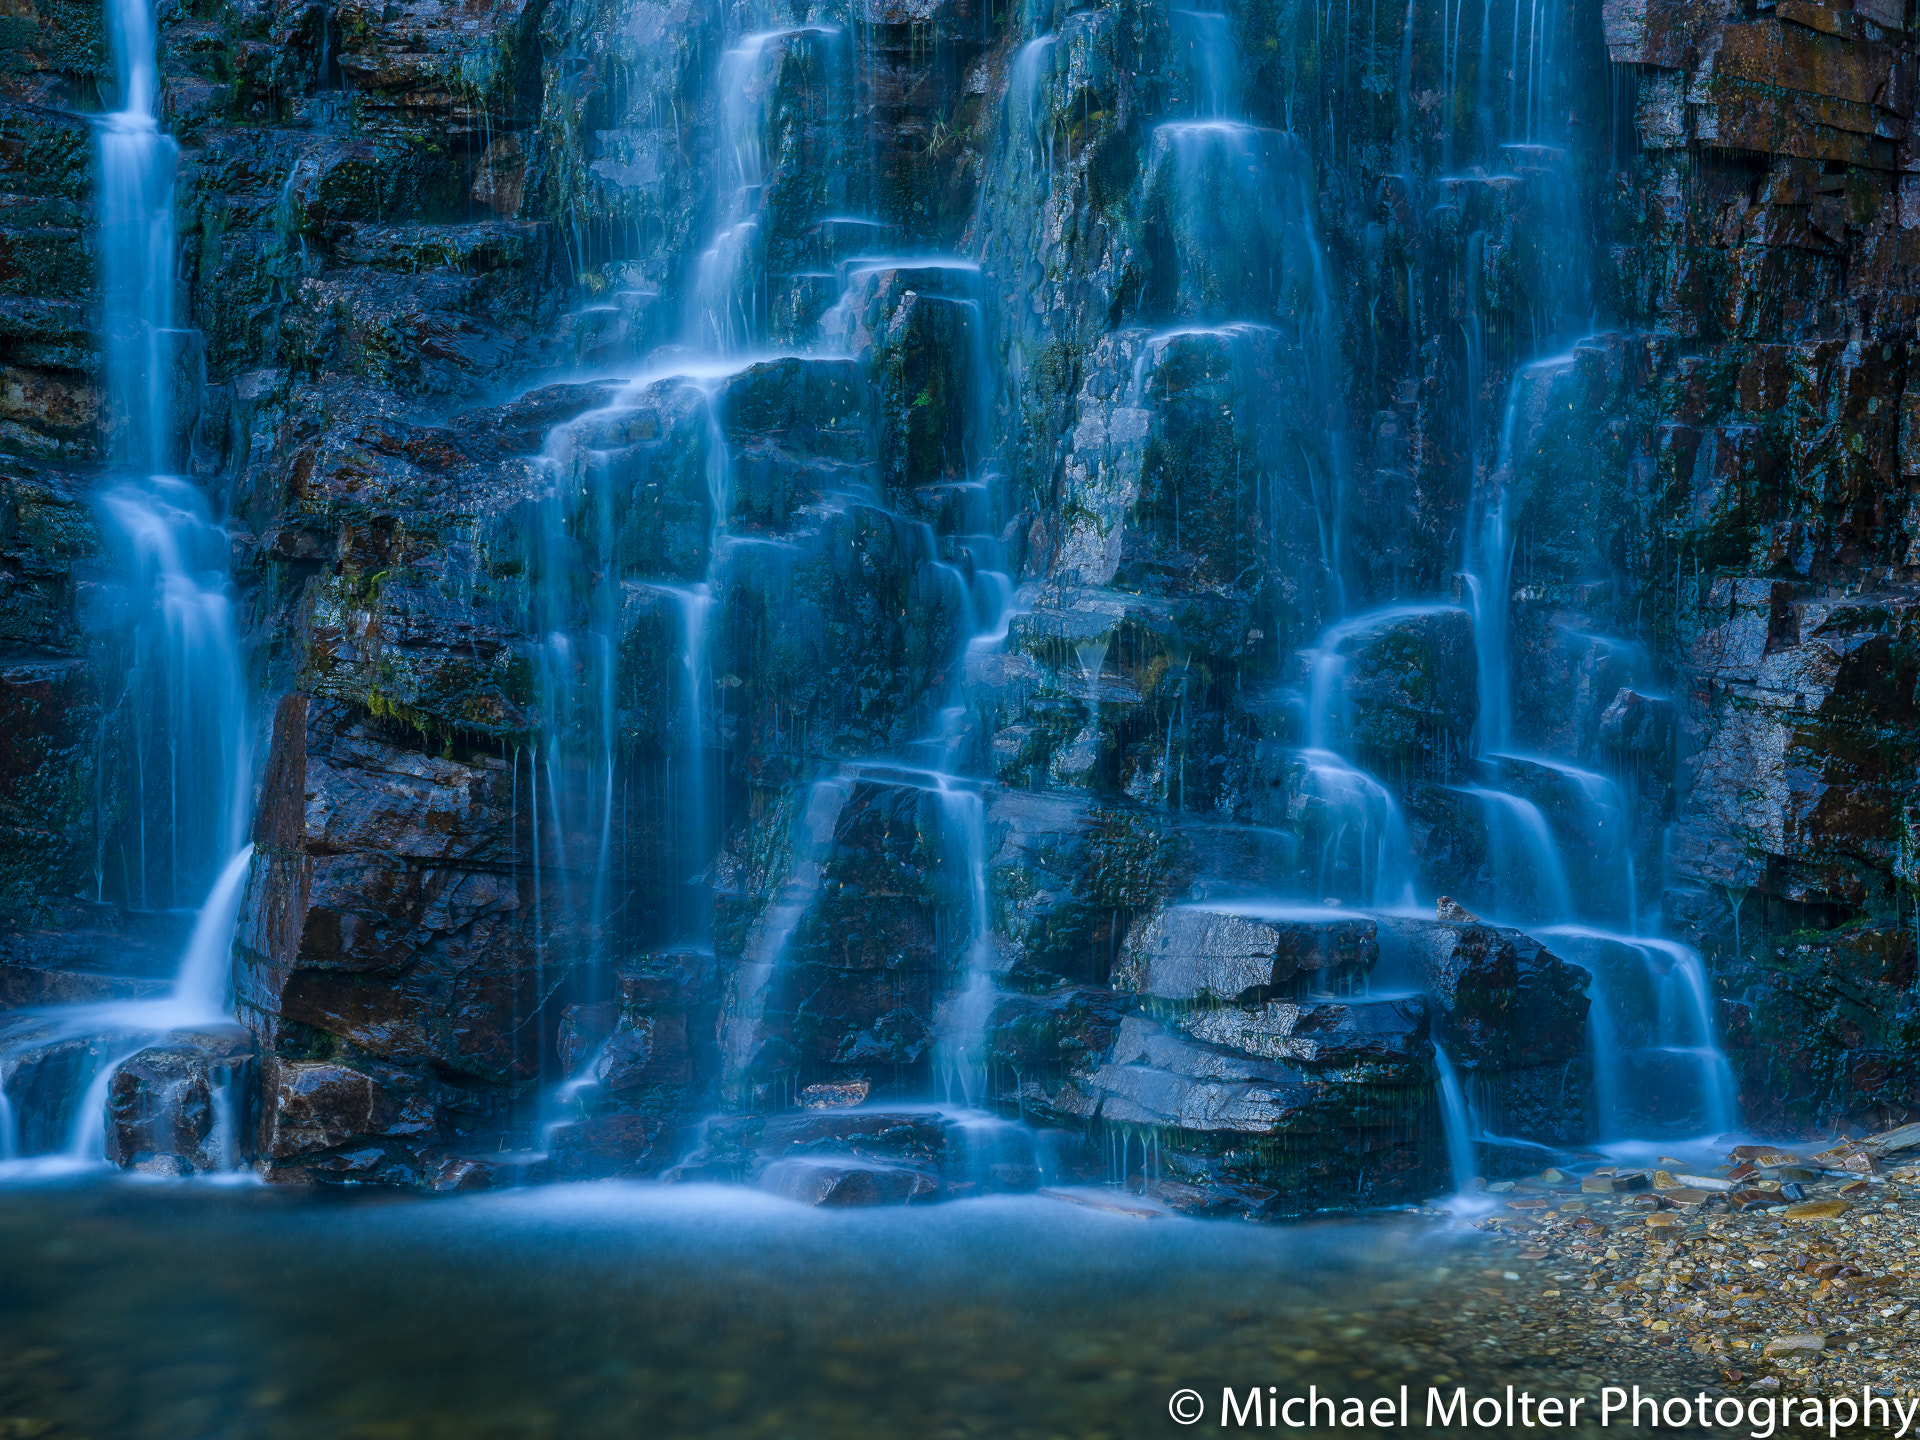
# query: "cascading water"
x,y
1488,564
1654,1044
656,743
777,709
181,724
743,297
1457,1123
579,595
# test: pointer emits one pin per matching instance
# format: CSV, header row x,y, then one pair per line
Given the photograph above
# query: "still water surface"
x,y
134,1309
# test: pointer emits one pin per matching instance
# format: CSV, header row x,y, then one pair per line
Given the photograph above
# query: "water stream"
x,y
182,721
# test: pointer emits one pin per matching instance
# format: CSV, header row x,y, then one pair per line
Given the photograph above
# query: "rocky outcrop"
x,y
180,1107
646,746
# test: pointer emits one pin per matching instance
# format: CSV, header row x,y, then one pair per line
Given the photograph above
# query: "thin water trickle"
x,y
767,942
1655,1043
1457,1124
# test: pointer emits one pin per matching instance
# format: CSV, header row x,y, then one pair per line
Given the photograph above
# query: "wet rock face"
x,y
1195,954
1251,1056
181,1107
1826,1022
327,1122
1510,1003
1410,702
1225,391
385,928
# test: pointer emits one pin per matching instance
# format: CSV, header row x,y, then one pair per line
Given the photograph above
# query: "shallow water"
x,y
133,1309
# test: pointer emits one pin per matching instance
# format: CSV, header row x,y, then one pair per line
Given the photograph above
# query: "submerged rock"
x,y
837,1184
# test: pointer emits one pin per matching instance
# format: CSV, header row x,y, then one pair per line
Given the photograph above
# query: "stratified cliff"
x,y
1002,555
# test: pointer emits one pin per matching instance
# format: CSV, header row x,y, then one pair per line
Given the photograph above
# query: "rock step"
x,y
1193,952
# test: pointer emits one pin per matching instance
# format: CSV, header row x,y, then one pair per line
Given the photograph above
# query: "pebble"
x,y
1818,1210
1795,1345
1737,1289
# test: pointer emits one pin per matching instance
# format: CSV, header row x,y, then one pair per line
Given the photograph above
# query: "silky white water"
x,y
183,714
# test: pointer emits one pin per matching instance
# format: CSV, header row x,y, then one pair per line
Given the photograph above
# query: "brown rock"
x,y
835,1097
161,1103
1905,1138
1763,1156
1818,1210
1846,1156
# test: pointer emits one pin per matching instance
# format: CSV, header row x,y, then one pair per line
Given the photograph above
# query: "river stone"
x,y
1818,1210
834,1097
1782,1346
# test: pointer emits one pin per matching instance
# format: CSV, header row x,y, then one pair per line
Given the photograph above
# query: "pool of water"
x,y
133,1309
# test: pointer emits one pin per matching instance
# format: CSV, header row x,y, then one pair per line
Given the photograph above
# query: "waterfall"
x,y
812,841
730,301
186,697
581,585
183,709
1529,877
184,704
961,1041
1655,1045
136,160
1456,1122
200,987
1651,1031
1488,565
